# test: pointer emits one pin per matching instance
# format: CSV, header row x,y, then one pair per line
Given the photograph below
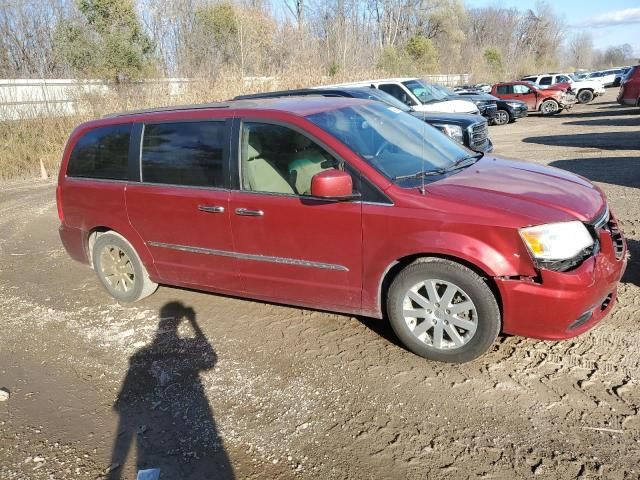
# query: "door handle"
x,y
249,213
211,208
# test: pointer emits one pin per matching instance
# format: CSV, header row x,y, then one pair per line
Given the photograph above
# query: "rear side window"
x,y
185,153
101,153
398,92
545,81
504,89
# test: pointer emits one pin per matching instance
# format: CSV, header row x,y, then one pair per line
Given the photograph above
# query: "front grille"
x,y
478,134
605,303
616,237
490,110
605,222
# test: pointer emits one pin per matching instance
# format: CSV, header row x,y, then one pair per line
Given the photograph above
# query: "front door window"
x,y
277,159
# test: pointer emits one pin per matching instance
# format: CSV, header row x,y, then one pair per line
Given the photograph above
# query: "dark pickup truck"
x,y
467,129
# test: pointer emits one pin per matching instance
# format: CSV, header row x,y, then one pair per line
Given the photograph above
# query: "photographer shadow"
x,y
162,406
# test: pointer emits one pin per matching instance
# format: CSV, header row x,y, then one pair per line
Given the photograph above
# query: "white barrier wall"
x,y
29,98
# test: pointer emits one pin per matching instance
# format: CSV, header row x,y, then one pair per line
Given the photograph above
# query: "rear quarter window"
x,y
101,153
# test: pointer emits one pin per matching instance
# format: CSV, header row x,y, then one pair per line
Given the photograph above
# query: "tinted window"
x,y
101,153
504,89
545,81
185,153
398,92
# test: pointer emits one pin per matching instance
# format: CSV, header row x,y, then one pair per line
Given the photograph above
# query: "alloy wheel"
x,y
550,107
440,314
117,269
502,118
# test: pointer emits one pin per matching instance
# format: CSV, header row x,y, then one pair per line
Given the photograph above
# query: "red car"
x,y
548,101
630,88
345,205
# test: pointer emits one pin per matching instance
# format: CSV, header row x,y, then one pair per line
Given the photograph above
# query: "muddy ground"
x,y
206,386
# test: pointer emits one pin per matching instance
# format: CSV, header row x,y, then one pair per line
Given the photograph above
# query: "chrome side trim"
x,y
251,256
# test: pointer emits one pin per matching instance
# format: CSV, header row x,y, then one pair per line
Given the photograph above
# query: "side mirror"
x,y
333,185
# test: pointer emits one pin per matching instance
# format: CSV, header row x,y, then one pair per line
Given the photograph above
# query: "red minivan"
x,y
345,205
629,93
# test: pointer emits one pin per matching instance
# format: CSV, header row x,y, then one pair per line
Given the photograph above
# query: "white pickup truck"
x,y
418,94
584,90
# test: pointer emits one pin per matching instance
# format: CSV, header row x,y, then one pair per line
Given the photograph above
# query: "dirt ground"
x,y
205,386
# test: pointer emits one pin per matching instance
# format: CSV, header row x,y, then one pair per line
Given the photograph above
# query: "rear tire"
x,y
585,96
444,311
120,270
549,107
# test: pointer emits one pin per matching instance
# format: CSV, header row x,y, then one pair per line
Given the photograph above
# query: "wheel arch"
x,y
395,267
549,99
136,243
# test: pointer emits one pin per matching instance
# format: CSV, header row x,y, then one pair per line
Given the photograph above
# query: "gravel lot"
x,y
268,391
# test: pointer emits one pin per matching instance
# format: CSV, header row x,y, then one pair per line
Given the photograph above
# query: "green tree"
x,y
493,57
422,50
217,21
106,40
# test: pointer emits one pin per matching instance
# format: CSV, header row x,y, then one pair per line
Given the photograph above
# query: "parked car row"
x,y
585,90
346,198
606,77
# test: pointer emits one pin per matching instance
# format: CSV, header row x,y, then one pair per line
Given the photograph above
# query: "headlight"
x,y
556,241
514,104
453,131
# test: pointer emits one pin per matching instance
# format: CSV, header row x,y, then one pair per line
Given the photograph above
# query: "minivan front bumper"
x,y
561,305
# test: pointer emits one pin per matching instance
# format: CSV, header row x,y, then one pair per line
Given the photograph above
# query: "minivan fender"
x,y
472,251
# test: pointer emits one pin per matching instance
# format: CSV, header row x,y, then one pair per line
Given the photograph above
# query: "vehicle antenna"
x,y
422,190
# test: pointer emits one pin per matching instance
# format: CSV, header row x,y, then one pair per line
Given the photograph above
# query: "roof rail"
x,y
201,106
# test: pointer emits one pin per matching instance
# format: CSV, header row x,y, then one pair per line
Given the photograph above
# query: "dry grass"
x,y
23,143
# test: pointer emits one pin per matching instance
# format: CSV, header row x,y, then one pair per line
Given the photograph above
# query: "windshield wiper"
x,y
441,171
420,174
459,163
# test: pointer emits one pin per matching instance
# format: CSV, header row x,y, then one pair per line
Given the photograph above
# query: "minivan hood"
x,y
539,193
448,106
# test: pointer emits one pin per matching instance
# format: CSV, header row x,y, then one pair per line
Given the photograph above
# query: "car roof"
x,y
369,82
318,91
300,105
519,82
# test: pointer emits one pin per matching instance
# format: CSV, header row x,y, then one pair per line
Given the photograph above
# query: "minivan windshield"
x,y
425,92
401,147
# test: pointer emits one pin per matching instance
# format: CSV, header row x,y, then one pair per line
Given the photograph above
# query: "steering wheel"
x,y
381,148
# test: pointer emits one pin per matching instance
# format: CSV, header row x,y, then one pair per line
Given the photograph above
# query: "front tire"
x,y
502,117
443,311
120,270
549,107
585,96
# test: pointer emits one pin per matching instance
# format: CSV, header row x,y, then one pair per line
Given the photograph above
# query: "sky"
x,y
611,22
